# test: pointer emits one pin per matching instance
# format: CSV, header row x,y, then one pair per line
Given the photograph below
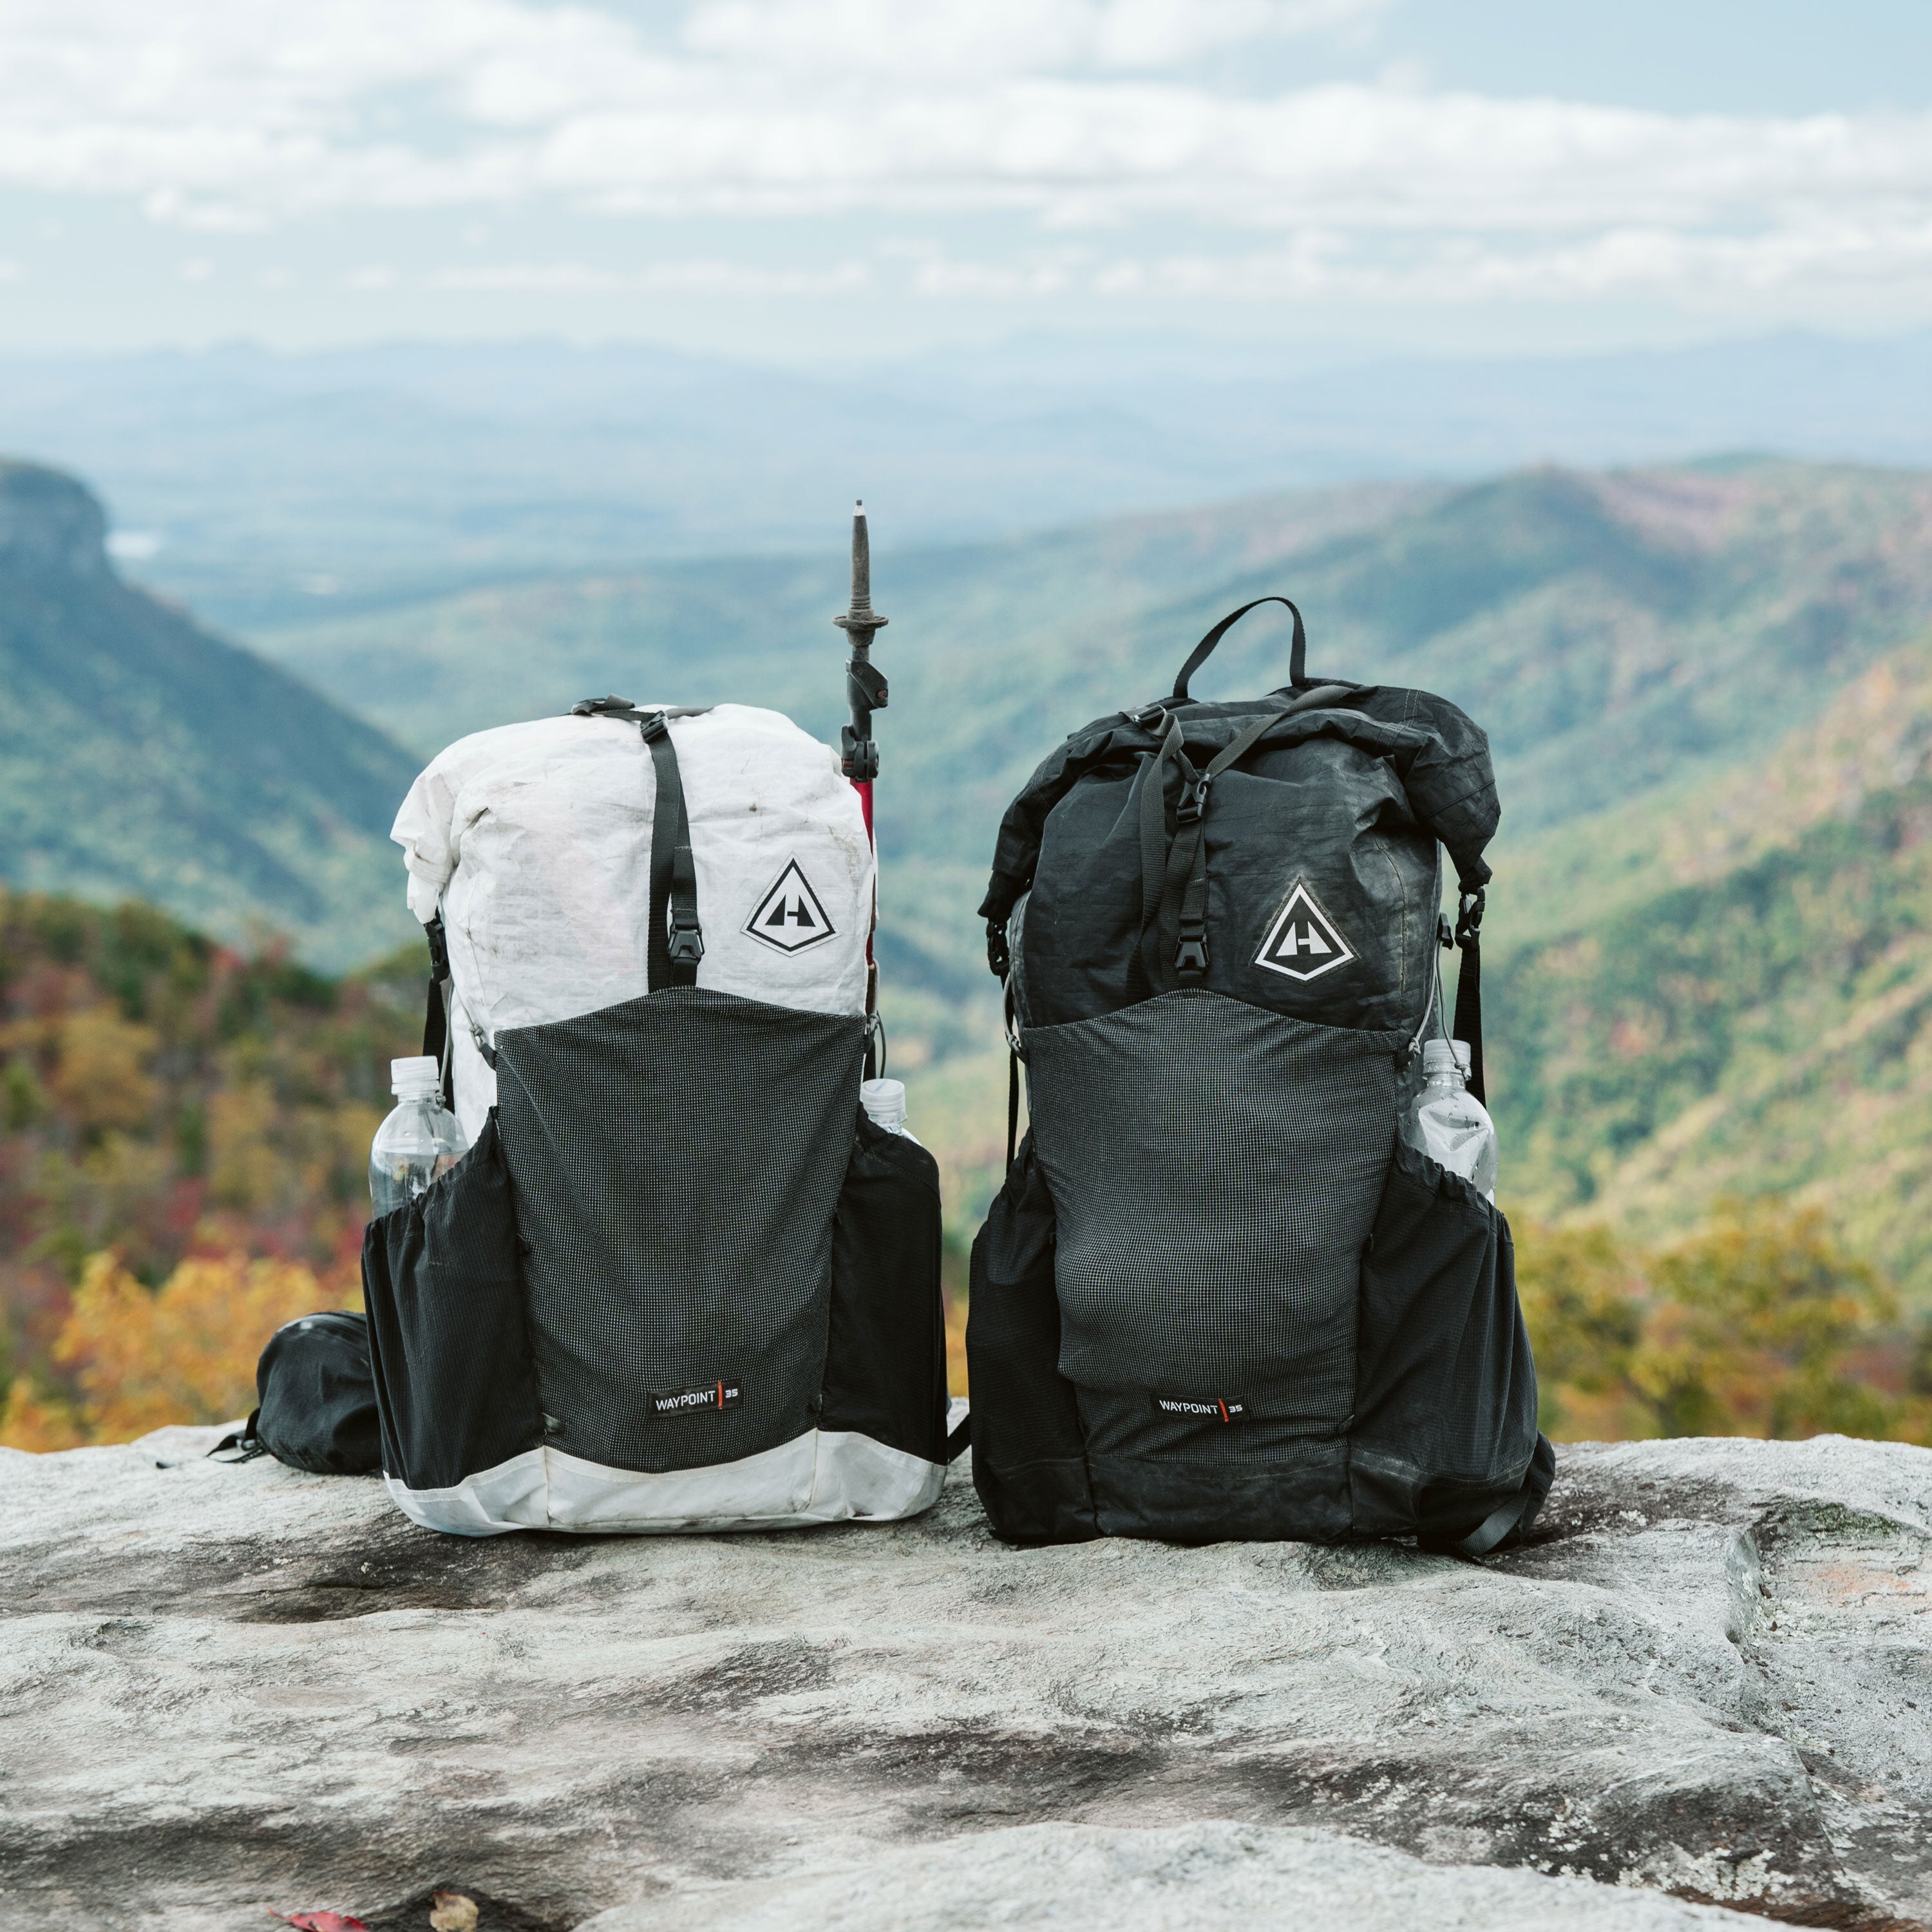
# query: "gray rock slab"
x,y
1173,1879
224,1689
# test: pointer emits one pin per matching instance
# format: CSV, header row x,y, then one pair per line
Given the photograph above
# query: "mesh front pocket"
x,y
677,1162
1215,1169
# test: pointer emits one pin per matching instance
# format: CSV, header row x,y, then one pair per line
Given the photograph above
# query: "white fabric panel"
x,y
863,1481
823,1476
513,1496
535,839
772,1487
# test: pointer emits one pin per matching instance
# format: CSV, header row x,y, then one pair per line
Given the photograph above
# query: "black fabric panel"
x,y
1029,1459
1323,813
1445,1404
1215,1169
1236,1428
885,1362
317,1396
1298,1493
1442,755
448,1341
1452,782
677,1161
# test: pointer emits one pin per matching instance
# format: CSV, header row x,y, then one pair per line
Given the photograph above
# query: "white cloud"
x,y
711,278
1058,115
996,37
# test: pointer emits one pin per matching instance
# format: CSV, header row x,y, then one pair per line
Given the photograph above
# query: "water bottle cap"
x,y
1464,1058
1439,1056
414,1078
884,1102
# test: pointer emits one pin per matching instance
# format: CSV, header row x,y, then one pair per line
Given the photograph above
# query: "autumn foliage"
x,y
1758,1324
183,1168
183,1165
140,1357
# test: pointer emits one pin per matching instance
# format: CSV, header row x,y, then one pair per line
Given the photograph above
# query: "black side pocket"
x,y
447,1338
1444,1438
1029,1454
885,1358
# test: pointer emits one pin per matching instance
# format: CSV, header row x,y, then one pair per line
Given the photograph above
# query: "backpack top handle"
x,y
1297,655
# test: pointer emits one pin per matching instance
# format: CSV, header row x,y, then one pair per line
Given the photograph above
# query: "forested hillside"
x,y
1712,887
1614,633
141,757
1737,998
1709,691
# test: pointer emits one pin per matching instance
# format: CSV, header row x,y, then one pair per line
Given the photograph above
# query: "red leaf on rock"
x,y
320,1921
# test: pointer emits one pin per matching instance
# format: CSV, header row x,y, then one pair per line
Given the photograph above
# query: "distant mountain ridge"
x,y
428,467
1615,633
141,757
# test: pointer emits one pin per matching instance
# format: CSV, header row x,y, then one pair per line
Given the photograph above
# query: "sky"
x,y
812,181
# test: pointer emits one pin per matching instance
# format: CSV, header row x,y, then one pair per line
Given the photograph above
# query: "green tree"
x,y
1756,1321
1760,1323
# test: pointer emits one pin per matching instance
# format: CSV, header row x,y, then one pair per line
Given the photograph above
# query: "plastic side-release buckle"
x,y
1469,917
687,944
1193,806
1191,955
998,957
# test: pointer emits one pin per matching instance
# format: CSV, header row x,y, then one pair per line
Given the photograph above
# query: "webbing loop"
x,y
1297,649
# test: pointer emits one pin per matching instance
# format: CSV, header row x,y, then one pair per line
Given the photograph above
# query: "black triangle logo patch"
x,y
1304,943
790,917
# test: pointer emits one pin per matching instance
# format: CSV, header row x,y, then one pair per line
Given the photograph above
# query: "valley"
x,y
1708,689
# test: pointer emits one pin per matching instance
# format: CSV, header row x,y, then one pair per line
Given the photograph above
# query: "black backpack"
x,y
1218,1295
316,1399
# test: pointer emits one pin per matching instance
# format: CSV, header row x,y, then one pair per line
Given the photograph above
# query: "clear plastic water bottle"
x,y
420,1141
884,1102
1448,1123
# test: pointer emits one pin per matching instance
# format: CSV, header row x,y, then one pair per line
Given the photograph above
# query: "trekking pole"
x,y
865,692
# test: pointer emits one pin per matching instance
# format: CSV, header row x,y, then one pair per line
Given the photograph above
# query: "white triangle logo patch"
x,y
1303,942
790,917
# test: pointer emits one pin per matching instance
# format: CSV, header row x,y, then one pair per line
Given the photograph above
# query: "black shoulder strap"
x,y
960,1437
244,1446
1297,653
435,1013
676,941
1468,1025
1508,1518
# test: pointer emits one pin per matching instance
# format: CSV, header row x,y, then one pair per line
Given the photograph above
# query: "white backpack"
x,y
680,1281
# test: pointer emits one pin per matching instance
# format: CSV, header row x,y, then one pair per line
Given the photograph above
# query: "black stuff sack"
x,y
316,1405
